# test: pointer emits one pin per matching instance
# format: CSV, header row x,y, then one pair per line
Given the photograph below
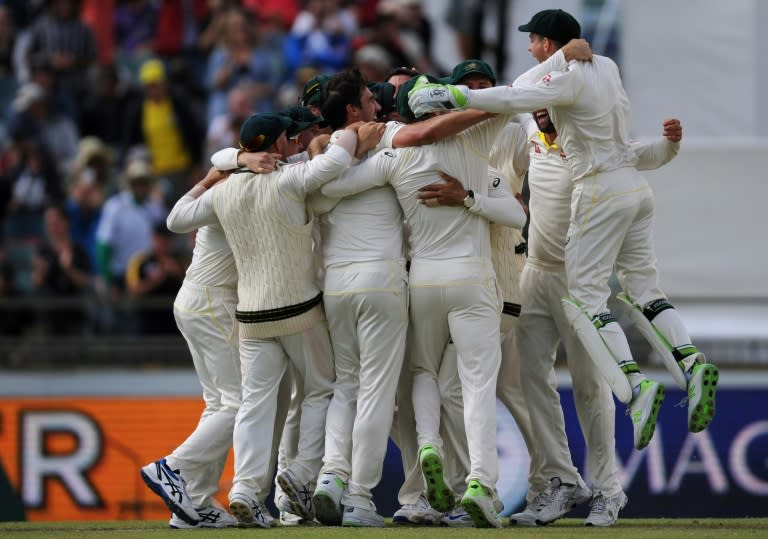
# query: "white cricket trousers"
x,y
403,431
508,390
205,317
612,216
263,364
541,327
366,304
457,299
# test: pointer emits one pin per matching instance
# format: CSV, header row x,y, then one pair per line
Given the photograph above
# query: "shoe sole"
x,y
360,524
417,521
296,506
704,410
439,495
244,515
479,517
175,508
527,522
650,424
326,509
570,507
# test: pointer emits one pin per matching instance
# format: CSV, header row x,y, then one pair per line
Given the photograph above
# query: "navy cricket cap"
x,y
384,93
471,67
555,24
312,94
301,117
260,131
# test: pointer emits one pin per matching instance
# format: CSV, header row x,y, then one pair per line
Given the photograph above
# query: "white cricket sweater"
x,y
277,293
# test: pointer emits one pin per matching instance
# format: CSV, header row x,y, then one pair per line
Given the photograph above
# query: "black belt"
x,y
512,309
281,313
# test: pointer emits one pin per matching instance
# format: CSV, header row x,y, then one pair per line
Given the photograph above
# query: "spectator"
x,y
103,112
213,25
163,122
157,273
224,130
126,224
61,39
33,115
404,32
34,184
239,60
135,22
99,15
373,61
91,179
321,37
61,267
176,41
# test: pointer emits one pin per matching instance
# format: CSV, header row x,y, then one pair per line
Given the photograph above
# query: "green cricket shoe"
x,y
644,409
702,387
439,494
478,503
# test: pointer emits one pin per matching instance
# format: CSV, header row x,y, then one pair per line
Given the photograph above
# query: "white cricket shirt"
x,y
436,233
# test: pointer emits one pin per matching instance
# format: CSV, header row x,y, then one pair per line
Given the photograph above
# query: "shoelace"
x,y
543,499
598,504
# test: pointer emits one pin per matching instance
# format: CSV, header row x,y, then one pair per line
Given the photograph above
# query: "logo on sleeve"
x,y
389,154
546,79
496,181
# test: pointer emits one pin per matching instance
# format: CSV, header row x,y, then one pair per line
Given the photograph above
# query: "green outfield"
x,y
567,528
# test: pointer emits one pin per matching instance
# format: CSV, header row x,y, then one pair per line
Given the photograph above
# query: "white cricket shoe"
x,y
250,513
605,509
211,516
327,499
359,517
528,516
479,503
560,500
287,516
644,409
299,494
419,514
169,485
457,518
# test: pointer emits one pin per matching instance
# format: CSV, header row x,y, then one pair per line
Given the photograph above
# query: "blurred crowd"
x,y
110,110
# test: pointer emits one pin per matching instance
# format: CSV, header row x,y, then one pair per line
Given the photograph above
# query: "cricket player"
x,y
611,221
508,163
203,310
543,324
279,310
453,294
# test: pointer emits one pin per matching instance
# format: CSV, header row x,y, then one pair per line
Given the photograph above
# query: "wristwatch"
x,y
469,200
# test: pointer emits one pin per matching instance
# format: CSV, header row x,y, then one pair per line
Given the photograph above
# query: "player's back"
x,y
213,263
363,227
594,130
446,231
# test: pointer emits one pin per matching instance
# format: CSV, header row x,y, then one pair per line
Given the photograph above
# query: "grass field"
x,y
565,528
